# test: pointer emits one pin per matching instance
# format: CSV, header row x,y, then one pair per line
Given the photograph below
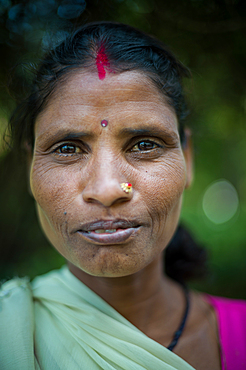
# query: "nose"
x,y
104,184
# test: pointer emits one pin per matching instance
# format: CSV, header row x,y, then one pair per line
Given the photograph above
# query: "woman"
x,y
109,161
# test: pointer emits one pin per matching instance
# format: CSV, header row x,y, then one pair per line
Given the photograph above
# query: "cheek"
x,y
163,187
163,194
54,191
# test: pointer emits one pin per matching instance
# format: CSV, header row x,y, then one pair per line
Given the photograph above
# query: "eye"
x,y
144,145
68,149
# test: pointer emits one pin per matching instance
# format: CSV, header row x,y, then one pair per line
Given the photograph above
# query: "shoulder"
x,y
231,317
15,296
227,308
231,320
16,323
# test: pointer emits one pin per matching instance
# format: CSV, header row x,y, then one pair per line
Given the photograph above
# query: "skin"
x,y
76,181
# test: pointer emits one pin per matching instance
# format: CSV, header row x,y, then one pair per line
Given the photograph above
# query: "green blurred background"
x,y
207,36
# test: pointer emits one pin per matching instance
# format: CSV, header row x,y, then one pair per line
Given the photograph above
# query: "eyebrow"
x,y
64,135
152,131
73,135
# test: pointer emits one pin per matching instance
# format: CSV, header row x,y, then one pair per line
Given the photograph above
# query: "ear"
x,y
29,155
187,148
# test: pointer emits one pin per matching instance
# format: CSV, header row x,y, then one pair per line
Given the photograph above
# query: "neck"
x,y
141,298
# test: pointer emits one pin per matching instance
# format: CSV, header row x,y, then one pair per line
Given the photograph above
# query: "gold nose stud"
x,y
126,187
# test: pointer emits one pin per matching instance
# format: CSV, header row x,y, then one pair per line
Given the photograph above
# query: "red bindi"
x,y
104,123
102,63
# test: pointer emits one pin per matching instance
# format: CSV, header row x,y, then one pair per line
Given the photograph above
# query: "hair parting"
x,y
102,62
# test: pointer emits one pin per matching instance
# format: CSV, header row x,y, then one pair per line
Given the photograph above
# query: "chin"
x,y
108,264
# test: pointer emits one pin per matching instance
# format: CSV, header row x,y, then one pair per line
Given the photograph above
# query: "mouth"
x,y
109,232
102,231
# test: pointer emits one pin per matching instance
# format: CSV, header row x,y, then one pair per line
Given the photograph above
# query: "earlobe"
x,y
187,148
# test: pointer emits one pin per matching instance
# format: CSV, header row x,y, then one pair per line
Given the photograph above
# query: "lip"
x,y
124,230
120,236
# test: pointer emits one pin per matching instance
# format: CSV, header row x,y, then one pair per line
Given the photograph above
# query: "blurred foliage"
x,y
208,37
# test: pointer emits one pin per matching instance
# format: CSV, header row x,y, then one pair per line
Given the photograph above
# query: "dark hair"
x,y
184,258
126,49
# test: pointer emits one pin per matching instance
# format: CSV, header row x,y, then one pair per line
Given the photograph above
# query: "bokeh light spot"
x,y
220,201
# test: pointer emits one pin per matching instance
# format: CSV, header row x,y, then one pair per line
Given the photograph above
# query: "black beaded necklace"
x,y
178,333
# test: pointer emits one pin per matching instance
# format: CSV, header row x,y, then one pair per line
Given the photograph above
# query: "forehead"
x,y
83,97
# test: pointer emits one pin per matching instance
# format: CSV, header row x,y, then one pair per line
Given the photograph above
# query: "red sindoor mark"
x,y
102,63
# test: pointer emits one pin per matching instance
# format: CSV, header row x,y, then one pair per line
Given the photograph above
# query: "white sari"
x,y
58,323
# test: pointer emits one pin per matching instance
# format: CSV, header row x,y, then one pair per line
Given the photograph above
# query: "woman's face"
x,y
78,165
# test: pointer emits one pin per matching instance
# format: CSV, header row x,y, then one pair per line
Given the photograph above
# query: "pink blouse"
x,y
231,318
